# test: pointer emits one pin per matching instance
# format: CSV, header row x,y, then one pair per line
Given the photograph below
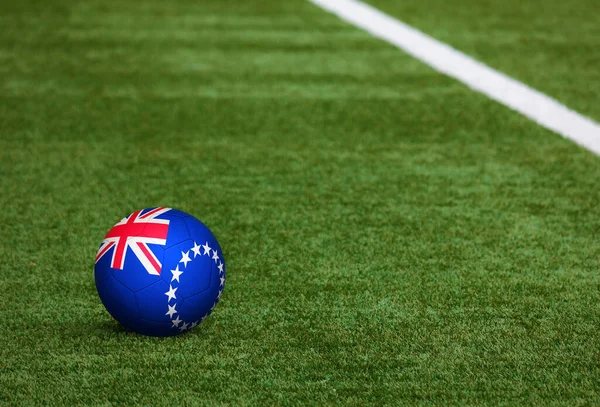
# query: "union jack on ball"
x,y
160,271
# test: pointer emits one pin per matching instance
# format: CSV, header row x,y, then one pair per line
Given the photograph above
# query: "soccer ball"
x,y
160,272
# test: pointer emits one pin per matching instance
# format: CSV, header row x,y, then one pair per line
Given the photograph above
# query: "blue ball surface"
x,y
160,272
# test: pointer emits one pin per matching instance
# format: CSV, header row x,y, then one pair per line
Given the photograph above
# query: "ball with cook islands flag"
x,y
160,272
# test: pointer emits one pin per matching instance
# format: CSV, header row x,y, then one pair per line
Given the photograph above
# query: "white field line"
x,y
533,104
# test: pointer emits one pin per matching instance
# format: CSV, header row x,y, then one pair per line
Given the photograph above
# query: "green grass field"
x,y
391,236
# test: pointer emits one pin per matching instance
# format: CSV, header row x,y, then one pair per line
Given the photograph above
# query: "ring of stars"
x,y
177,322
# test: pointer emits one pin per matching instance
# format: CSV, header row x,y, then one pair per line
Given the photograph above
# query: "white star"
x,y
195,324
219,296
183,327
220,267
185,258
215,256
171,311
196,250
206,248
176,322
222,281
204,317
171,293
176,273
213,307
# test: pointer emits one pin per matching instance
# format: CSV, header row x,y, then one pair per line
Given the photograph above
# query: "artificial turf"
x,y
391,236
